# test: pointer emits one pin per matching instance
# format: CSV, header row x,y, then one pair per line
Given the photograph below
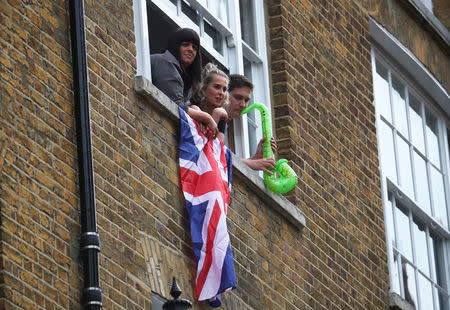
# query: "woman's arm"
x,y
204,118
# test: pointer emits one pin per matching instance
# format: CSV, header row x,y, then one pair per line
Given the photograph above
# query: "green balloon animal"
x,y
287,178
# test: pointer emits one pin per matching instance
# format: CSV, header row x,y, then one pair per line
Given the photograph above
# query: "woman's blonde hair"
x,y
208,73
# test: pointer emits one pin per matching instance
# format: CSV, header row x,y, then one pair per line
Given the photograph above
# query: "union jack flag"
x,y
205,168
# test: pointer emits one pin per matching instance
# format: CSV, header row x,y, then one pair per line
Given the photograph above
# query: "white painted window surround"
x,y
233,33
413,127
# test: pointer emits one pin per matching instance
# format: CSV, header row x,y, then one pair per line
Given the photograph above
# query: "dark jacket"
x,y
167,75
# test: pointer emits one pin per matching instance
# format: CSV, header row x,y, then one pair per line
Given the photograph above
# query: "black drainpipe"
x,y
89,241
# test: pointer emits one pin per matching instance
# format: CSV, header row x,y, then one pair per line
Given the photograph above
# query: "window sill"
x,y
396,302
146,89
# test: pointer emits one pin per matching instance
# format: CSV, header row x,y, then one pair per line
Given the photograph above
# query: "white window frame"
x,y
384,47
234,50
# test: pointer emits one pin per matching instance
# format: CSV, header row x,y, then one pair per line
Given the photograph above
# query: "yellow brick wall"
x,y
324,123
38,172
413,32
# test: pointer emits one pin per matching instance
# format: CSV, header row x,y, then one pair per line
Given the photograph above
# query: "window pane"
x,y
437,183
432,139
416,124
423,193
387,152
390,231
409,281
251,116
381,91
399,104
444,301
439,257
404,163
220,9
395,283
426,293
190,12
403,234
248,23
420,245
213,36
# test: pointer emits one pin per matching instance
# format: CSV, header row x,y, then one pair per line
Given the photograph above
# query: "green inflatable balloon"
x,y
287,178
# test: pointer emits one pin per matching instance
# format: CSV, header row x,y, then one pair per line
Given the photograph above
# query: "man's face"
x,y
239,98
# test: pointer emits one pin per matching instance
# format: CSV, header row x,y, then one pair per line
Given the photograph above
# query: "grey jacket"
x,y
167,76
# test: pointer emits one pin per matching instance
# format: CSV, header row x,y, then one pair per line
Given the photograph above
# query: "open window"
x,y
232,35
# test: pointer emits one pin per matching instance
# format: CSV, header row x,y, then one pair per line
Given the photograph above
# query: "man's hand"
x,y
258,153
263,164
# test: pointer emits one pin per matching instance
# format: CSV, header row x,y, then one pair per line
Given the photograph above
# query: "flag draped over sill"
x,y
205,169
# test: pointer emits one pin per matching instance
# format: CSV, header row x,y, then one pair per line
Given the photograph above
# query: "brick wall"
x,y
441,9
413,32
38,175
324,123
324,119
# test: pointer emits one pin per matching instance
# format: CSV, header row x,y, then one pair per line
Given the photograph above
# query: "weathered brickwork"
x,y
38,192
321,84
441,9
397,17
324,120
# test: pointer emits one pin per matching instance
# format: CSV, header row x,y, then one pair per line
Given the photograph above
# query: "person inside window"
x,y
212,95
240,91
177,72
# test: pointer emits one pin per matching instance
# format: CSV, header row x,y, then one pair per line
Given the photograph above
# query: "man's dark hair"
x,y
238,80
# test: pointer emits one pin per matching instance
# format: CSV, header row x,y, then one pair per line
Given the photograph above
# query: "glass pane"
x,y
404,163
444,301
212,36
253,120
220,9
381,91
403,234
420,246
416,124
437,183
422,190
248,73
389,226
190,12
399,104
387,152
432,139
252,136
426,293
409,281
248,23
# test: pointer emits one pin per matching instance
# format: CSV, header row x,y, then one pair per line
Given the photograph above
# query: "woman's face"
x,y
215,91
188,51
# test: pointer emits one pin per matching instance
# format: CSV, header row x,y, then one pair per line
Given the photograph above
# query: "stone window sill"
x,y
396,302
146,89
